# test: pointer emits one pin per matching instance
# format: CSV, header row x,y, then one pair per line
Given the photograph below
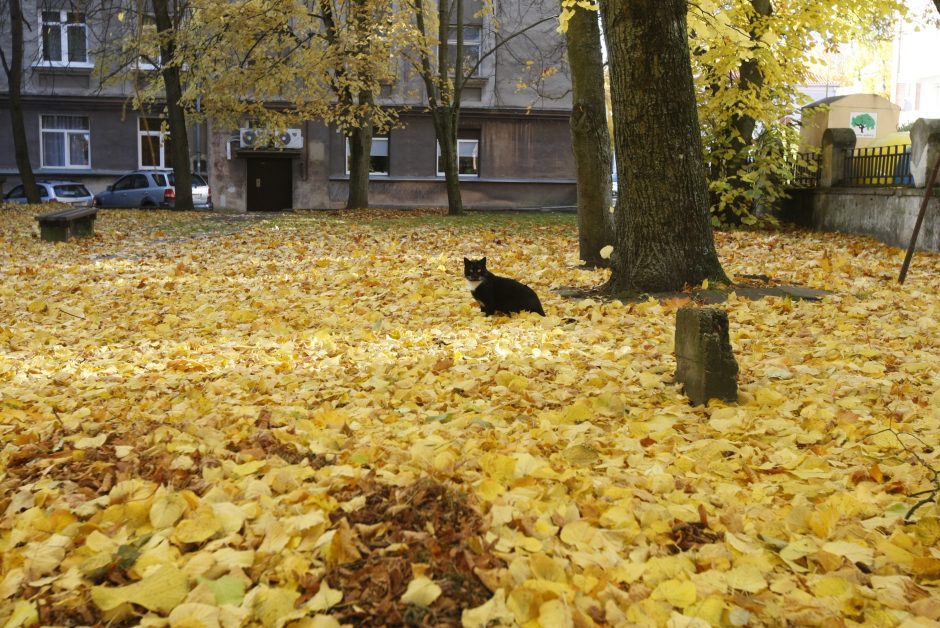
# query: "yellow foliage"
x,y
748,66
211,462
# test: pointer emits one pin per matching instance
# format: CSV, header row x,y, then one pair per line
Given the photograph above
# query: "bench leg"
x,y
54,232
83,227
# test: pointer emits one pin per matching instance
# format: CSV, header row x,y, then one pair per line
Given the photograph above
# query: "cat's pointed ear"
x,y
484,261
466,261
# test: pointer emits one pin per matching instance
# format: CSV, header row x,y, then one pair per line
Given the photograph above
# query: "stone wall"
x,y
887,214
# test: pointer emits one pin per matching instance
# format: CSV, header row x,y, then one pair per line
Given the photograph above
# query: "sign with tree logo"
x,y
864,123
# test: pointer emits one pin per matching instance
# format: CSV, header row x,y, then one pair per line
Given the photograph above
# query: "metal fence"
x,y
878,166
806,171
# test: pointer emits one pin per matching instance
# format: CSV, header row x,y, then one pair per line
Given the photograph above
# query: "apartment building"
x,y
514,142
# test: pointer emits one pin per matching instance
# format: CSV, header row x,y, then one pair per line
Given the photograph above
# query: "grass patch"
x,y
394,218
471,220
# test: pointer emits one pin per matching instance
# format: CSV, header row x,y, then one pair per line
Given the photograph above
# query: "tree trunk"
x,y
663,233
449,104
359,128
14,72
443,99
750,77
360,163
176,116
446,131
590,138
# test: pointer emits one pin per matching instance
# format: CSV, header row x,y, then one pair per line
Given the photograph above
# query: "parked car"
x,y
151,188
57,191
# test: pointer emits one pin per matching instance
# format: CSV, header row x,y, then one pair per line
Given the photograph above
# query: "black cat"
x,y
499,294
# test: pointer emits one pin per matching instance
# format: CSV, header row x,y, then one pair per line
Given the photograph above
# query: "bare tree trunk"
x,y
360,163
358,131
451,172
14,72
446,129
449,113
443,101
590,138
664,238
444,83
360,139
176,116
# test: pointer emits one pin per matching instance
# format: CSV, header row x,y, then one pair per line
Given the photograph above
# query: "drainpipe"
x,y
199,136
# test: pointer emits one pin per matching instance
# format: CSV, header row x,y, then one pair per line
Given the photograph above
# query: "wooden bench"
x,y
67,223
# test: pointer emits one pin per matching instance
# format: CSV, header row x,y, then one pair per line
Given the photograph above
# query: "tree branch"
x,y
503,42
931,493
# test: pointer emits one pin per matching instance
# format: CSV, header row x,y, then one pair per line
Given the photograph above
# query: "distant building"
x,y
514,144
915,53
818,91
869,115
905,70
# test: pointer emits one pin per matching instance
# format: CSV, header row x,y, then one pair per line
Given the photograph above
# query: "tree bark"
x,y
590,138
443,100
663,233
446,131
750,77
360,128
444,91
14,72
449,112
360,162
176,116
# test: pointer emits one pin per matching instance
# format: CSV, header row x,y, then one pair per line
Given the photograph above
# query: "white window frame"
x,y
63,26
460,141
375,139
66,133
452,45
141,134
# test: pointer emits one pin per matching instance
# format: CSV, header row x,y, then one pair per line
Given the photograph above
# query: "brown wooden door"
x,y
270,187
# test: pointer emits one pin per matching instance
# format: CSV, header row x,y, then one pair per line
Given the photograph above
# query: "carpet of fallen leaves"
x,y
306,421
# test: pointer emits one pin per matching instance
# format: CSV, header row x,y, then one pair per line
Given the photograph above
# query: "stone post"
x,y
705,363
925,149
836,143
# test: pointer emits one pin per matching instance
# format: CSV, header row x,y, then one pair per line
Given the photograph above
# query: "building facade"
x,y
514,142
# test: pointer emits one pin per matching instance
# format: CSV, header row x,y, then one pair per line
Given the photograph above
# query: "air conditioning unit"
x,y
291,139
246,138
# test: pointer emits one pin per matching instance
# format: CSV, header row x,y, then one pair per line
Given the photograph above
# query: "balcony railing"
x,y
878,166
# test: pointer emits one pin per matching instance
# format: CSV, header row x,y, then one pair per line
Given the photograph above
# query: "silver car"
x,y
151,188
57,191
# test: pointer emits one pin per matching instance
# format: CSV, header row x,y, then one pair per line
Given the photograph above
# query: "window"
x,y
154,149
472,40
70,190
17,193
130,182
149,43
198,180
66,141
64,38
468,157
378,156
